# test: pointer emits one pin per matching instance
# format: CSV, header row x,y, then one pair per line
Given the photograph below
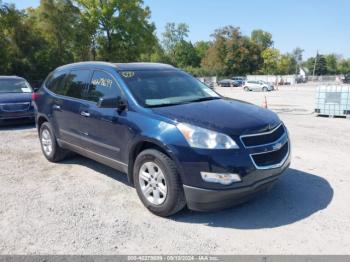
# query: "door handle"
x,y
84,133
56,107
84,113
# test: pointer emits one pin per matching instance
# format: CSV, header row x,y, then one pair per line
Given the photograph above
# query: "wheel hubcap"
x,y
46,142
152,183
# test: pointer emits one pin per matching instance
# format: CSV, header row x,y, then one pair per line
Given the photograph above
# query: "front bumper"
x,y
9,117
253,164
200,199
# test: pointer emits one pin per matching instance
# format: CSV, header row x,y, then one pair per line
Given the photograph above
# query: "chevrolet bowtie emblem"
x,y
277,146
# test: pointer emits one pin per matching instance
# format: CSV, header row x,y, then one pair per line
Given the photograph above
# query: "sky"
x,y
322,25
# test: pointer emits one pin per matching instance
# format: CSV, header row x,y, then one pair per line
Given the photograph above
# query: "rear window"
x,y
73,83
14,86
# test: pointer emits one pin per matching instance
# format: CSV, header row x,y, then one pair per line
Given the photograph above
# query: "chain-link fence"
x,y
294,79
325,78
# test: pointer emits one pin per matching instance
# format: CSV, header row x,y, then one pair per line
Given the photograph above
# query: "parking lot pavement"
x,y
81,207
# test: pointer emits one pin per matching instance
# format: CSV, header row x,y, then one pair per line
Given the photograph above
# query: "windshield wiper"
x,y
167,104
186,102
205,99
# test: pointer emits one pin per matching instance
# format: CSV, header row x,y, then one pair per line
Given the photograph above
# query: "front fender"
x,y
163,136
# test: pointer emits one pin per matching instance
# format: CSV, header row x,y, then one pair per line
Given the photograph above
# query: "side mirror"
x,y
112,102
121,104
35,89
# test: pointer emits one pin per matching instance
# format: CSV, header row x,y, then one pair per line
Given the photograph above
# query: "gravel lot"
x,y
82,207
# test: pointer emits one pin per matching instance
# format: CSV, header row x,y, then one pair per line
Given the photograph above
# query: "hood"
x,y
15,97
232,117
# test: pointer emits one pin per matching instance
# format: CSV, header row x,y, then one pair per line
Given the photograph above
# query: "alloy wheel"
x,y
46,142
152,183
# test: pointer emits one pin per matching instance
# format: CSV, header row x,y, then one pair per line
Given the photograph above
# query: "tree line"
x,y
35,41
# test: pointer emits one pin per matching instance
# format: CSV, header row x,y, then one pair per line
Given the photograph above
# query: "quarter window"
x,y
102,85
55,82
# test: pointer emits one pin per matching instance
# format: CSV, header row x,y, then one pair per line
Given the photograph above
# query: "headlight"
x,y
198,137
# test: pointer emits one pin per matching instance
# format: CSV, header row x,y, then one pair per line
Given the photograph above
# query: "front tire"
x,y
246,89
51,150
264,89
158,184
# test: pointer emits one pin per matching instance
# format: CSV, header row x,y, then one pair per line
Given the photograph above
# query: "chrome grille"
x,y
259,139
271,159
268,149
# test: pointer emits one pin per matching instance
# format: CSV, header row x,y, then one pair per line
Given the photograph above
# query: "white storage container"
x,y
333,100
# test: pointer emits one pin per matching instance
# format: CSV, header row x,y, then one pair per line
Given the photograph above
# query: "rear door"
x,y
54,84
105,129
67,106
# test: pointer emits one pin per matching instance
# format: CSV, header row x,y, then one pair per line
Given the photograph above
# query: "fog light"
x,y
224,179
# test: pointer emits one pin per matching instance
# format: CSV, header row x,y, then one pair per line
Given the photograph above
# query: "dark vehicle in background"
x,y
239,80
178,141
15,100
301,79
210,84
239,83
346,79
228,83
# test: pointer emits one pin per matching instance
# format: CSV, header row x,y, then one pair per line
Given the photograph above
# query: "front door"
x,y
105,128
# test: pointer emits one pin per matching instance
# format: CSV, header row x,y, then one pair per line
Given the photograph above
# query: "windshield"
x,y
14,86
165,88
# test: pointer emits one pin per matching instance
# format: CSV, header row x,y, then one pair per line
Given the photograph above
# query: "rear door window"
x,y
102,85
76,83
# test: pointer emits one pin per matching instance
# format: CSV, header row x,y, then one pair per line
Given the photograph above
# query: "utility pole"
x,y
313,74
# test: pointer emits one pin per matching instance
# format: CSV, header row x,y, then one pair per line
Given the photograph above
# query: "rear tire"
x,y
169,200
264,89
51,150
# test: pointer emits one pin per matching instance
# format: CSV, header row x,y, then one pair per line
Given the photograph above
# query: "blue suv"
x,y
178,141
